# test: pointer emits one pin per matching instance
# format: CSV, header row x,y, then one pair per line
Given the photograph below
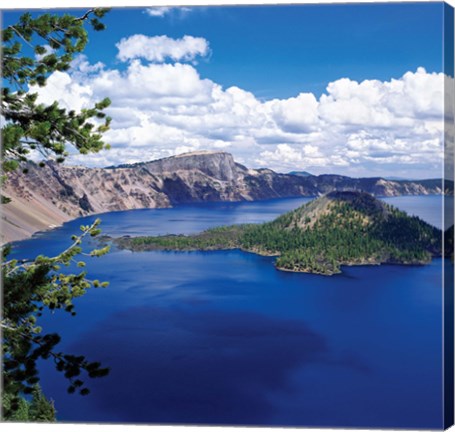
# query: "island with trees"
x,y
339,228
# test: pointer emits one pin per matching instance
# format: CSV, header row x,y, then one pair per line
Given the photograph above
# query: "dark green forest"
x,y
341,228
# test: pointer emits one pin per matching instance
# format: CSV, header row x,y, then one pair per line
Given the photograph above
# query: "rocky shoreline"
x,y
50,195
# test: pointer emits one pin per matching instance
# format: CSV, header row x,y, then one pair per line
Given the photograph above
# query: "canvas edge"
x,y
448,215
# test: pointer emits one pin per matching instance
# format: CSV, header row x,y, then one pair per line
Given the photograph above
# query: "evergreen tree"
x,y
354,228
33,49
17,408
41,409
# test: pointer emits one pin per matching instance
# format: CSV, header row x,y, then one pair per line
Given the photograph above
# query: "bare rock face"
x,y
218,165
50,195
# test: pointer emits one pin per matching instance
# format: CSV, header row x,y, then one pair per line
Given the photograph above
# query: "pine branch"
x,y
85,16
21,36
28,266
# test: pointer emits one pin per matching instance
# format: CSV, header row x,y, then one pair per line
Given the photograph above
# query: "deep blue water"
x,y
224,338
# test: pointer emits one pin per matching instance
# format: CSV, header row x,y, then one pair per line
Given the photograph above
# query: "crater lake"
x,y
223,338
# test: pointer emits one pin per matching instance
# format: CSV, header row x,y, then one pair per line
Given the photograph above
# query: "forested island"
x,y
340,228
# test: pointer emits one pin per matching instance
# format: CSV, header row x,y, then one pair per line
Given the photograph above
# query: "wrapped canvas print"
x,y
229,215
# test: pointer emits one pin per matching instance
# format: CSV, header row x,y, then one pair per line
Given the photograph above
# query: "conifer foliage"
x,y
34,48
341,228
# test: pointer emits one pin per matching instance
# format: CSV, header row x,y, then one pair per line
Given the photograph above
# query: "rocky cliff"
x,y
49,195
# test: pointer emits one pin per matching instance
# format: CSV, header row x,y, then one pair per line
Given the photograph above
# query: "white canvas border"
x,y
42,4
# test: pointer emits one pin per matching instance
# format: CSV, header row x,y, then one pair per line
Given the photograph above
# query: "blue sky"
x,y
277,53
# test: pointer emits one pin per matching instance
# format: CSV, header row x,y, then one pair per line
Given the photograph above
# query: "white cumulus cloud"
x,y
367,128
158,11
160,48
296,114
162,11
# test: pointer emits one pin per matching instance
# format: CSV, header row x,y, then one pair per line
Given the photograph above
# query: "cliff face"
x,y
218,165
52,194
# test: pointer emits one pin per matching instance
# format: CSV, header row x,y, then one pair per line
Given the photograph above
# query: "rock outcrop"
x,y
49,195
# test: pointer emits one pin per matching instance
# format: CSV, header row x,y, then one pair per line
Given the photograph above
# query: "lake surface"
x,y
225,338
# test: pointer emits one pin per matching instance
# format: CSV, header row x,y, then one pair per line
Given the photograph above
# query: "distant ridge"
x,y
167,158
300,173
53,194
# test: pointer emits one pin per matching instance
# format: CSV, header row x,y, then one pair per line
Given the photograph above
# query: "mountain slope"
x,y
52,194
345,228
340,228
